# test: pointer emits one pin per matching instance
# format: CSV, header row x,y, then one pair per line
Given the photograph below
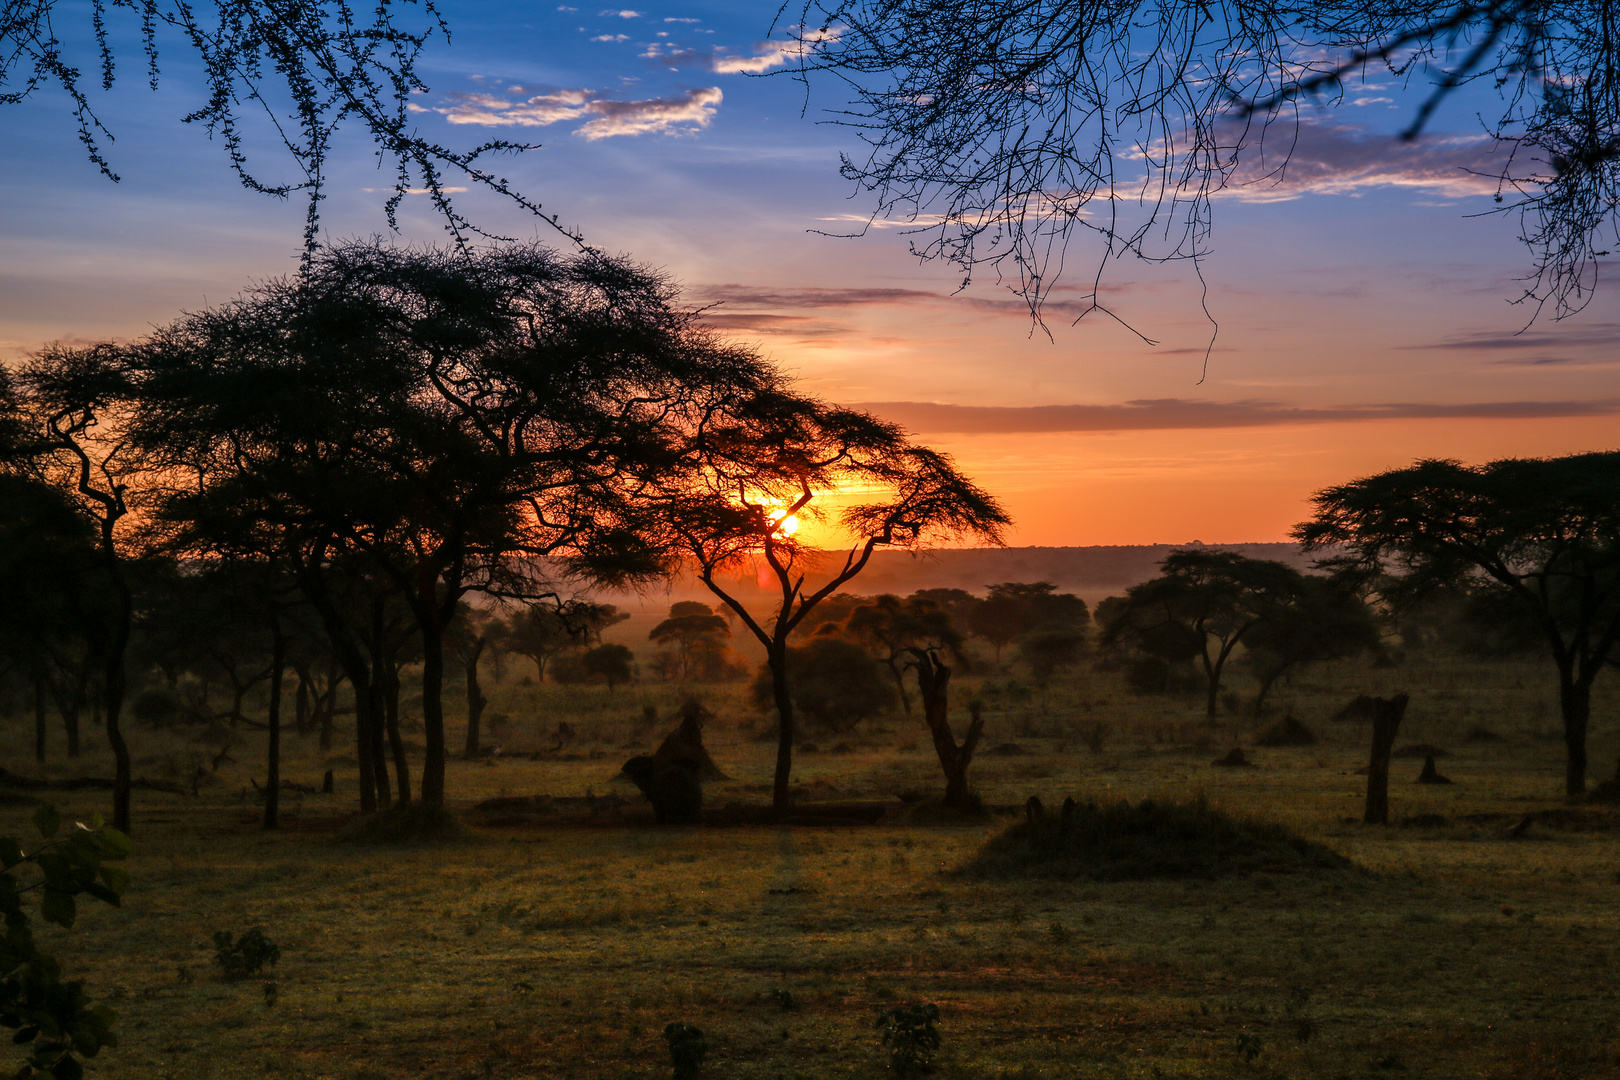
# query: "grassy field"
x,y
561,948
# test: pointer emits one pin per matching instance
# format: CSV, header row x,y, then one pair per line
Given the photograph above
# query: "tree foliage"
x,y
1543,531
1203,604
299,70
1002,131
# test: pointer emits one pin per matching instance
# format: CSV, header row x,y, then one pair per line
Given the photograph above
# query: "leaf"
x,y
26,1034
115,879
67,1069
11,852
47,820
114,844
57,906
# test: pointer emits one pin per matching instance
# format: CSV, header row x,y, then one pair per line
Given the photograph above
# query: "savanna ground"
x,y
561,947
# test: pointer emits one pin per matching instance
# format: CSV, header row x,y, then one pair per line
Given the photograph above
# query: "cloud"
x,y
621,14
603,117
1343,159
611,37
766,297
1600,335
675,19
653,116
800,326
769,54
1181,413
417,190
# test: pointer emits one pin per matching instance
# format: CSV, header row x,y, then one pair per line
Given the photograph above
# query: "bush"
x,y
52,1017
912,1036
246,955
1122,841
687,1049
833,683
156,706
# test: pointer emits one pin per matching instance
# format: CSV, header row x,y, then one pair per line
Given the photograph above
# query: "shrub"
x,y
246,955
834,683
687,1049
1122,841
912,1036
52,1017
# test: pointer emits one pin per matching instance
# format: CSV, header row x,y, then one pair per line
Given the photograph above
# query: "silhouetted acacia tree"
x,y
894,630
694,629
1209,598
446,417
1326,622
1013,609
758,462
1543,531
72,405
1002,130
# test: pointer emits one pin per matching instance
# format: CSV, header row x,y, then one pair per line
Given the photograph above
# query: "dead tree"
x,y
1386,718
933,681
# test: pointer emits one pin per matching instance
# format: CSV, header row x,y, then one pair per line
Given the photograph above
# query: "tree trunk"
x,y
933,683
379,736
301,702
272,795
396,744
475,700
113,689
1575,703
776,657
1386,721
432,614
39,719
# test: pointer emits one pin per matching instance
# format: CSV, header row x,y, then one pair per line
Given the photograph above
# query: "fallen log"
x,y
84,783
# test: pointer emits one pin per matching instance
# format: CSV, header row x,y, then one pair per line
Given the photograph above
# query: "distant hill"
x,y
1091,572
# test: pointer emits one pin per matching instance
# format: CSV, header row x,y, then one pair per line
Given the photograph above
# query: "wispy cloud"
x,y
1181,413
775,298
417,190
603,117
767,54
1343,159
1600,335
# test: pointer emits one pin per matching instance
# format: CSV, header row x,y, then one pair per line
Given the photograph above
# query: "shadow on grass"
x,y
1125,841
413,825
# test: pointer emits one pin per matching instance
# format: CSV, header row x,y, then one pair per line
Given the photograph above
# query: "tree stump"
x,y
1386,721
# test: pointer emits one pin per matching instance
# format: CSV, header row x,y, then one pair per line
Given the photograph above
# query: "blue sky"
x,y
1363,316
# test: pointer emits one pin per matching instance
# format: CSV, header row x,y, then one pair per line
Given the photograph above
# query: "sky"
x,y
1359,307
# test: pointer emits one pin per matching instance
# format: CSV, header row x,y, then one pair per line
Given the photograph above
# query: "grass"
x,y
558,949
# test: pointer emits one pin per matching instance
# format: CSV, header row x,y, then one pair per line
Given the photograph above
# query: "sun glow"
x,y
787,524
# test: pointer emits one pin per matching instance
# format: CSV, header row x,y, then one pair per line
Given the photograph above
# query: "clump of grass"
x,y
1154,838
413,824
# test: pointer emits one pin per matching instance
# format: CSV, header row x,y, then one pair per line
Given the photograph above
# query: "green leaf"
x,y
115,879
114,844
47,820
57,906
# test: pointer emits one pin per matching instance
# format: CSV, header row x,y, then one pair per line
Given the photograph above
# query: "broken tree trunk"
x,y
1386,721
933,680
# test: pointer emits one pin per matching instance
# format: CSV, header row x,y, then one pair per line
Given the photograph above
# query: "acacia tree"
x,y
1213,599
900,632
439,414
1545,532
1326,622
69,431
758,463
1004,130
